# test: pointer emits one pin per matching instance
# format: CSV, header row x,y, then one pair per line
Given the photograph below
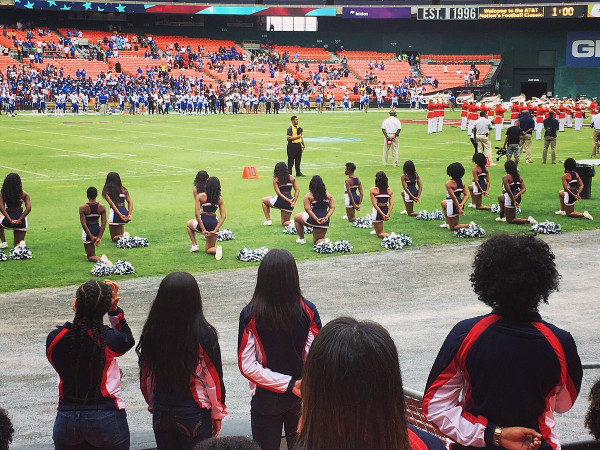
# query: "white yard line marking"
x,y
26,171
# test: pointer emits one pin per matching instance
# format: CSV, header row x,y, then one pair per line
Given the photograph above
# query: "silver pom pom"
x,y
325,246
127,241
102,269
20,252
342,246
363,222
396,241
225,235
248,255
123,268
434,215
291,229
546,227
3,256
495,208
472,231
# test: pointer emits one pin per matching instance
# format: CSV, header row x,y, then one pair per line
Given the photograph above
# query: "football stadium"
x,y
392,240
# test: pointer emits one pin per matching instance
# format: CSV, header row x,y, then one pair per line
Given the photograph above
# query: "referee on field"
x,y
295,146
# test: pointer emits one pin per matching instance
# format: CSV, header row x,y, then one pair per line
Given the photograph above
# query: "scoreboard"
x,y
501,12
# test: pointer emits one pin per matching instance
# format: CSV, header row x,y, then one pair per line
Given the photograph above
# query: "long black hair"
x,y
213,190
175,327
112,186
12,190
480,160
275,303
317,188
281,173
381,181
511,168
200,181
352,395
93,300
456,171
409,170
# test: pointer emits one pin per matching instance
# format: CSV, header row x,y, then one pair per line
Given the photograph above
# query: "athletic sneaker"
x,y
500,219
561,213
373,232
472,224
219,253
472,205
404,212
3,245
587,215
326,240
392,234
105,260
268,223
126,235
194,249
531,220
444,225
345,217
301,241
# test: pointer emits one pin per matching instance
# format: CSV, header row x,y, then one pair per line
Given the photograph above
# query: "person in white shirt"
x,y
596,136
481,134
391,128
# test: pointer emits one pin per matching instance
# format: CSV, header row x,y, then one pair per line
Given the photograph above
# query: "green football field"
x,y
157,157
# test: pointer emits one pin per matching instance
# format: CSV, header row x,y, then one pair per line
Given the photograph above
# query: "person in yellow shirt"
x,y
295,146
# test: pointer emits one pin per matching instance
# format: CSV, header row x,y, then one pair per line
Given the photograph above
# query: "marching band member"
x,y
499,120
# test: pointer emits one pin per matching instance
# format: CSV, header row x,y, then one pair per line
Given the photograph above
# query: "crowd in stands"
x,y
332,386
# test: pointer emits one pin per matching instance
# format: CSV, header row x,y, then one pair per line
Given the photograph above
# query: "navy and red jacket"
x,y
270,359
498,371
205,390
76,393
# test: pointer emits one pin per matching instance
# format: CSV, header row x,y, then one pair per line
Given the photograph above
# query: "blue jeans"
x,y
269,412
75,430
180,428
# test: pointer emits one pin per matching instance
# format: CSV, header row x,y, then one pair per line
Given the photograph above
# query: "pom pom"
x,y
123,268
3,256
132,242
396,241
472,231
342,246
363,222
518,211
495,208
102,269
21,251
546,227
248,255
434,215
225,235
291,229
325,246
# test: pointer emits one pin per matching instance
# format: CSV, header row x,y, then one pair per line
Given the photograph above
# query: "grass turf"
x,y
58,158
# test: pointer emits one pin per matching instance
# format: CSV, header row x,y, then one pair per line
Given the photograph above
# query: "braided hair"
x,y
93,299
12,190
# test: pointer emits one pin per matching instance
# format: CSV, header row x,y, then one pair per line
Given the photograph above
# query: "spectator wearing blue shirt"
x,y
103,102
527,124
550,129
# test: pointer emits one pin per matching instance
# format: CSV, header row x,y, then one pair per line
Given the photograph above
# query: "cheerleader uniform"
x,y
208,217
411,186
573,187
114,219
382,200
14,212
353,192
515,187
482,178
91,220
278,202
451,210
320,210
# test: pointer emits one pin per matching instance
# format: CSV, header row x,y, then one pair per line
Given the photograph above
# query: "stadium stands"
x,y
361,55
256,75
210,45
304,53
394,71
452,77
71,66
460,59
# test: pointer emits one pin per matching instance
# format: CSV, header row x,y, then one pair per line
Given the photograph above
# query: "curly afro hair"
x,y
6,430
513,274
592,417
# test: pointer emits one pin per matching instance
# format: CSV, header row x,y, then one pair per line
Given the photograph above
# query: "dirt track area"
x,y
417,294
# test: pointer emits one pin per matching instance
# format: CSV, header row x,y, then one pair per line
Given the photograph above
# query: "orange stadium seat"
x,y
70,66
394,71
357,55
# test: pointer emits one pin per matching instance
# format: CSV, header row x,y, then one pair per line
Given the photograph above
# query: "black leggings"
x,y
270,412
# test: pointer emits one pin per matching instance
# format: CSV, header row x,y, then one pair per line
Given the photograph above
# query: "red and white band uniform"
x,y
431,118
499,121
471,117
441,113
569,112
539,122
515,109
562,117
463,116
578,113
